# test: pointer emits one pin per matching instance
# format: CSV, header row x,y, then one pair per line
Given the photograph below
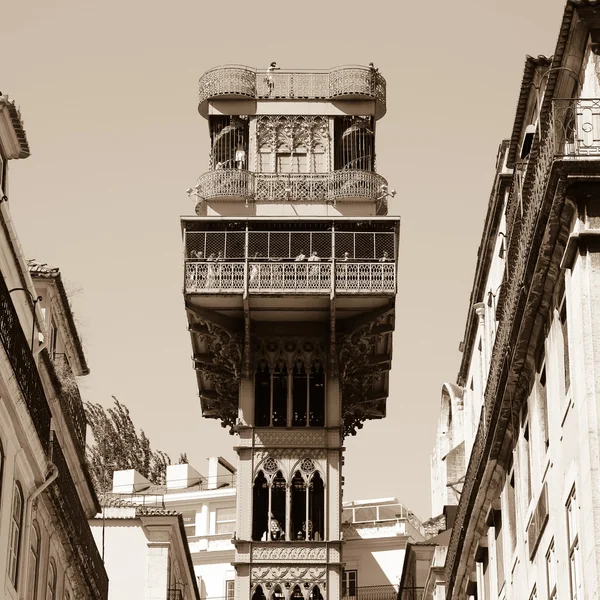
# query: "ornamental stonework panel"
x,y
304,437
289,553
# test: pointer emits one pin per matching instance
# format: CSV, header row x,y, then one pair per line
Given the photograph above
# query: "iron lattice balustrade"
x,y
297,187
64,495
238,81
21,360
373,592
570,129
71,403
279,277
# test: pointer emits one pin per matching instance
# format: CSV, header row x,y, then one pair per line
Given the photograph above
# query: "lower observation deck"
x,y
203,277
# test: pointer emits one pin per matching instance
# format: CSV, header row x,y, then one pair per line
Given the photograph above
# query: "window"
x,y
551,571
542,395
526,464
34,560
573,541
225,520
51,583
499,541
349,579
271,395
230,589
512,512
565,336
16,524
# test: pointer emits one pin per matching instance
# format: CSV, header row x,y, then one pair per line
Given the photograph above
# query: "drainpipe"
x,y
26,537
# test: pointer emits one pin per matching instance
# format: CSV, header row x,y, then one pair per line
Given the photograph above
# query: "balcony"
x,y
247,83
279,261
576,127
343,185
68,506
21,360
71,403
374,592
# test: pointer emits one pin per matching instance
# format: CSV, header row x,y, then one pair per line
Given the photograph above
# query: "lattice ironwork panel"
x,y
365,277
280,277
214,277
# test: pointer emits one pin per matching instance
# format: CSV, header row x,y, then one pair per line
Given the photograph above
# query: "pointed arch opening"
x,y
260,506
278,508
277,593
298,516
259,594
315,593
316,498
297,593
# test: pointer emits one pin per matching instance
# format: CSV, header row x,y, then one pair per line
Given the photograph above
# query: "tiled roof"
x,y
531,65
17,123
44,271
149,511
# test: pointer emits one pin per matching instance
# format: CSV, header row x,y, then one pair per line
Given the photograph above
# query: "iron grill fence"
x,y
71,403
21,360
340,82
66,499
373,592
299,187
289,245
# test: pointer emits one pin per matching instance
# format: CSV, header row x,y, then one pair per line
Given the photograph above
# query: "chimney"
x,y
180,477
220,473
129,481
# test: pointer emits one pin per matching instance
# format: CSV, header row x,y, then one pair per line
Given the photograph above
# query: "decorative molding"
x,y
288,133
285,437
273,552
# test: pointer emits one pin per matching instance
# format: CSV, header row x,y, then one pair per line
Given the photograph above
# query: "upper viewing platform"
x,y
238,82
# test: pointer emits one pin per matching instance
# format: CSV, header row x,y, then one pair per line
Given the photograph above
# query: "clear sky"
x,y
108,95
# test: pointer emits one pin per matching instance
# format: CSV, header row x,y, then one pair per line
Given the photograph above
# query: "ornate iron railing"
x,y
238,184
237,81
210,277
283,277
576,125
21,360
214,277
560,135
373,592
365,277
71,403
65,498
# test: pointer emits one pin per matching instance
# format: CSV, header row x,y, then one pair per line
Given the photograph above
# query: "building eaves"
x,y
484,259
17,124
43,271
531,66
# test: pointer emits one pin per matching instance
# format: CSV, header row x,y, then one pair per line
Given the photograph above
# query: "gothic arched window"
x,y
271,395
269,509
315,594
308,503
258,594
299,394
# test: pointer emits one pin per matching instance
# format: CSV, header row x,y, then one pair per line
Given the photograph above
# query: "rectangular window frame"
x,y
228,523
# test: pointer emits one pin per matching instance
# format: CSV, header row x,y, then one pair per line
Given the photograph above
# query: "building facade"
x,y
525,404
376,532
290,282
46,494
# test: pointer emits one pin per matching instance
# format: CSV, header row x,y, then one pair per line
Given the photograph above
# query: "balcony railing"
x,y
238,81
576,125
278,277
65,498
237,184
71,403
373,592
21,360
173,594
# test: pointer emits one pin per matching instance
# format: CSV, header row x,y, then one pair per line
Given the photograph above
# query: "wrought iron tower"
x,y
290,283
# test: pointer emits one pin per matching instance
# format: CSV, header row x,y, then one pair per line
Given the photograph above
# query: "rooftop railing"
x,y
238,81
372,592
237,184
21,360
64,496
